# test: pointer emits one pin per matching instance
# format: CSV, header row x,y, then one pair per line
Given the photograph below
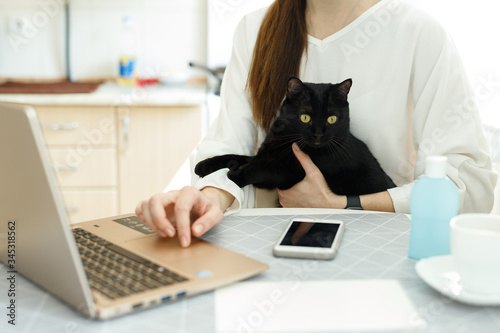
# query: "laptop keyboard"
x,y
116,272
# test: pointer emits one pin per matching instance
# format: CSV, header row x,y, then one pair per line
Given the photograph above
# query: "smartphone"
x,y
308,238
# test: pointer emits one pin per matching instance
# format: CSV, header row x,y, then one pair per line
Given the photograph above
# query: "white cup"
x,y
475,247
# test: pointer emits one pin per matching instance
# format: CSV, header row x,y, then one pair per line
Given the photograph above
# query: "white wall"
x,y
36,50
223,17
171,33
474,26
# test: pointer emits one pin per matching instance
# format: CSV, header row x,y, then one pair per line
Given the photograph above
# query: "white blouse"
x,y
410,98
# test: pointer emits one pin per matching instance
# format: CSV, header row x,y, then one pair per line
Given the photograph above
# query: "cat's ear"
x,y
345,87
295,87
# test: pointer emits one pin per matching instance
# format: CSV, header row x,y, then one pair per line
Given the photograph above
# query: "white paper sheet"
x,y
313,306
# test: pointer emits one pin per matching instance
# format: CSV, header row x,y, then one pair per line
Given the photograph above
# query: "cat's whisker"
x,y
342,151
338,146
284,143
285,153
347,160
336,154
299,143
288,153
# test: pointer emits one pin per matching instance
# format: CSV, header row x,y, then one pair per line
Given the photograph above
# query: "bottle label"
x,y
127,67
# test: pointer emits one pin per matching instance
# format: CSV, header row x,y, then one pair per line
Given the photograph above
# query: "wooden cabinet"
x,y
108,158
153,144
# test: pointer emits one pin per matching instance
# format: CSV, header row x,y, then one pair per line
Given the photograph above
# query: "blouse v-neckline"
x,y
323,42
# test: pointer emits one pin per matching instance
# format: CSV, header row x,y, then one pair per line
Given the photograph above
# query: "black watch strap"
x,y
353,202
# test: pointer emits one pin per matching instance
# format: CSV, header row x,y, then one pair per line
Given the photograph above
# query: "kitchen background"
x,y
166,35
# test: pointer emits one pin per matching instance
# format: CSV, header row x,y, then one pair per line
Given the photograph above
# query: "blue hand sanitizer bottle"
x,y
434,201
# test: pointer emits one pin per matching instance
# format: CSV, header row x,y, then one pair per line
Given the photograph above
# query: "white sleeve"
x,y
446,122
234,131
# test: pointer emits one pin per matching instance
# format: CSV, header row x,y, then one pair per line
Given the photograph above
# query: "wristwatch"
x,y
353,202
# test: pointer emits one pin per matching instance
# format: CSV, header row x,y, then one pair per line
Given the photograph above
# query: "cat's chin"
x,y
315,145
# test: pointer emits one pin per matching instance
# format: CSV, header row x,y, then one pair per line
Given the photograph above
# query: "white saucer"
x,y
439,272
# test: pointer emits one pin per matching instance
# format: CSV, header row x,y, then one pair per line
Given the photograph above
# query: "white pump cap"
x,y
435,166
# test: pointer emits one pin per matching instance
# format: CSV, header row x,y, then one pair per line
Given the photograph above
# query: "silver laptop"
x,y
103,268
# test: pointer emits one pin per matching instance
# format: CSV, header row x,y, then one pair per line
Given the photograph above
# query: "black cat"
x,y
316,117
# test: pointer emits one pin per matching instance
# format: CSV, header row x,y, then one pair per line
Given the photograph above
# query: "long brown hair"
x,y
281,42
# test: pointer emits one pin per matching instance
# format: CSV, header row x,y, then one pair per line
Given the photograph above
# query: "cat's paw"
x,y
213,164
236,175
205,167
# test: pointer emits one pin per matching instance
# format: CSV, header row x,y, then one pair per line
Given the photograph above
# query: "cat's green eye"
x,y
332,119
305,118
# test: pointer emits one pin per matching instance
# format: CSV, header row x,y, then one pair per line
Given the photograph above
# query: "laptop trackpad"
x,y
169,250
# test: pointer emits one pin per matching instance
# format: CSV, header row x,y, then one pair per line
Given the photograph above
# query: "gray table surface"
x,y
374,246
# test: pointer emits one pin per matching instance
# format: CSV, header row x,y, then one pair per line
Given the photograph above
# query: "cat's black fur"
x,y
346,163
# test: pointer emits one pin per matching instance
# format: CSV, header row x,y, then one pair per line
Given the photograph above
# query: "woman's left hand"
x,y
312,191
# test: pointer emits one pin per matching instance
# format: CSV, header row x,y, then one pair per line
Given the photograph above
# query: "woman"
x,y
410,99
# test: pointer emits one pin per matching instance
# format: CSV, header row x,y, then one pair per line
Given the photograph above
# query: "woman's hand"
x,y
188,211
312,191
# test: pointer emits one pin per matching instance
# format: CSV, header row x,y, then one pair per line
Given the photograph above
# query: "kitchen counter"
x,y
117,145
112,94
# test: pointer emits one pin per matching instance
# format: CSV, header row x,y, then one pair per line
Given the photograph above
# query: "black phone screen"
x,y
311,234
